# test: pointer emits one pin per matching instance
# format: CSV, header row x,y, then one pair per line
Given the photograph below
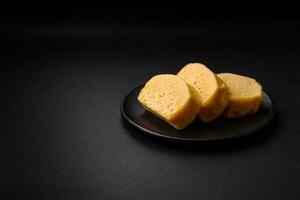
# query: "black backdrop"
x,y
64,73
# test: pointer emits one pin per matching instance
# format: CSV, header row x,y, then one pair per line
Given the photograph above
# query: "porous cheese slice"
x,y
209,91
169,97
245,95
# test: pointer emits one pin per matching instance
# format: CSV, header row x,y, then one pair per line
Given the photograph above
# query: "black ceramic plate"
x,y
219,129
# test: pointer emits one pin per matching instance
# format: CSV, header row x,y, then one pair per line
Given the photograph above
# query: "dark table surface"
x,y
62,135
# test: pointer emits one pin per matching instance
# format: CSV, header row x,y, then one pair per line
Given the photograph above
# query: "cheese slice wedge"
x,y
245,95
169,97
209,91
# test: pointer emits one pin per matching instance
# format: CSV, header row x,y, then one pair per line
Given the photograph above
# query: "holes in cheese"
x,y
208,90
245,95
169,97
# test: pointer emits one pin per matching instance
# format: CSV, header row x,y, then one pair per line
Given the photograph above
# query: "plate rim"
x,y
162,136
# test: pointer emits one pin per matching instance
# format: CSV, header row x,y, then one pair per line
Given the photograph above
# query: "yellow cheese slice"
x,y
169,97
245,95
209,91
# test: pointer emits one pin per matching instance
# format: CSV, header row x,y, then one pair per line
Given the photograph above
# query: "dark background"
x,y
64,73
